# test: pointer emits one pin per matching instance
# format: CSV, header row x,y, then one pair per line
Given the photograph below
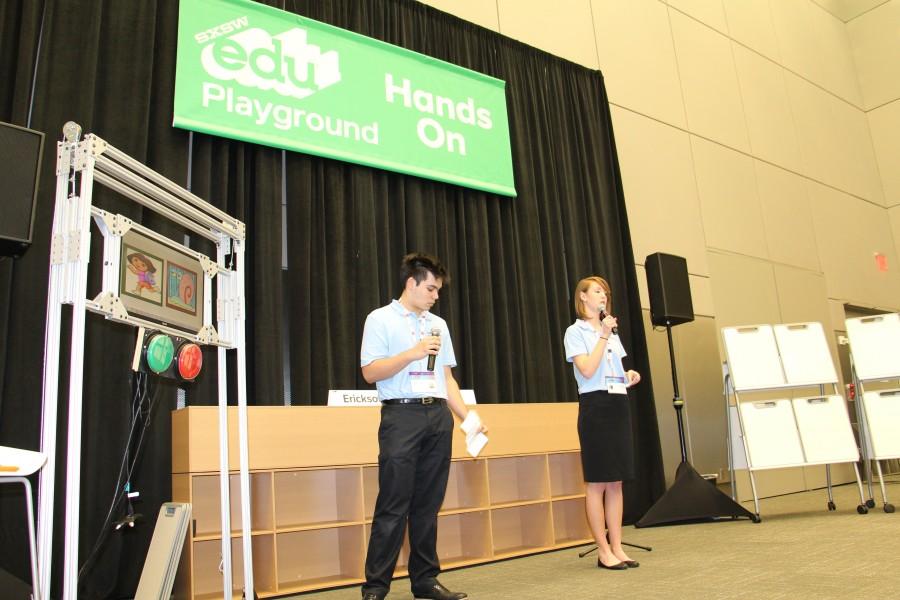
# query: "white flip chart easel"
x,y
874,356
784,432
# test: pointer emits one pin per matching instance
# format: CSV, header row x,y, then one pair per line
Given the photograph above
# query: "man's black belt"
x,y
426,400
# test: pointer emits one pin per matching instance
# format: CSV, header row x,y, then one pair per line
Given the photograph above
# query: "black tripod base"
x,y
692,498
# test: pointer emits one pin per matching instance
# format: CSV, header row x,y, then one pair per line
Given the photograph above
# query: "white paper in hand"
x,y
471,423
474,443
475,440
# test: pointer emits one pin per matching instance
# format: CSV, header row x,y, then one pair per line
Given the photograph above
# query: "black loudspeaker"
x,y
670,289
20,166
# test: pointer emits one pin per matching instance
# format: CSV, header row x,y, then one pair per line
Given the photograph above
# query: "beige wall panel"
x,y
563,28
819,141
849,232
708,12
875,43
743,290
726,184
701,296
835,144
660,192
845,10
837,315
787,215
814,45
476,11
643,290
895,229
637,57
884,125
770,123
836,57
700,374
750,23
796,38
661,373
859,174
803,297
816,479
712,97
771,482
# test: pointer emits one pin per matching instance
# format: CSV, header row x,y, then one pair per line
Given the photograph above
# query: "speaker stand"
x,y
691,498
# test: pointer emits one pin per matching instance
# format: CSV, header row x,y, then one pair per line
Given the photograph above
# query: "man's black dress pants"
x,y
414,443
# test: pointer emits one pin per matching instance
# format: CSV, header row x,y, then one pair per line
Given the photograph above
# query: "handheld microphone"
x,y
436,333
603,315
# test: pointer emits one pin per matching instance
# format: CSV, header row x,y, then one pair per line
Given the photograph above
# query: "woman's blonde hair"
x,y
583,286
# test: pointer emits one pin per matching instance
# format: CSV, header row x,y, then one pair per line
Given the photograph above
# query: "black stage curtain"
x,y
513,261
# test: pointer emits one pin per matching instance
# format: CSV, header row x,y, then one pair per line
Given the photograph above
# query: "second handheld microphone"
x,y
436,333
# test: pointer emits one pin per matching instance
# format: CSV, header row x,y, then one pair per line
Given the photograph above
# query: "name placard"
x,y
370,397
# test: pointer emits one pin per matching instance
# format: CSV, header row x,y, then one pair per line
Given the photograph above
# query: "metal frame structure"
x,y
731,390
81,164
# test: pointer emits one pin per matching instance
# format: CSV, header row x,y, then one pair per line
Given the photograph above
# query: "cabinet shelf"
x,y
518,479
308,558
317,584
312,526
460,511
570,522
234,534
464,537
314,496
521,527
566,478
519,503
571,497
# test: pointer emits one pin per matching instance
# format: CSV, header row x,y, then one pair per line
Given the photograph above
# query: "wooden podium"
x,y
314,480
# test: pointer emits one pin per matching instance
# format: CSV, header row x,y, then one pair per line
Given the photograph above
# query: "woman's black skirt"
x,y
604,430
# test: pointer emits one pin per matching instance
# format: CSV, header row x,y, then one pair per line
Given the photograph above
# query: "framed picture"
x,y
181,288
160,283
141,274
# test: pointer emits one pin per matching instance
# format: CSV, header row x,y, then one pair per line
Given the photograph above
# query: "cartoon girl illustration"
x,y
141,266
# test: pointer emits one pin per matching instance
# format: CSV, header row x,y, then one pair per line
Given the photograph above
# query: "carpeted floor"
x,y
799,550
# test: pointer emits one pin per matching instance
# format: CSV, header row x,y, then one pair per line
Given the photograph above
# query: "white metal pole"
x,y
223,284
241,349
76,381
49,412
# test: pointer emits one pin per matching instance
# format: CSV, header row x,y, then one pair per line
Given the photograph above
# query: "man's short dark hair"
x,y
418,266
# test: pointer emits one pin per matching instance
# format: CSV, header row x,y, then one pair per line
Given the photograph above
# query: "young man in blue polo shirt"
x,y
407,352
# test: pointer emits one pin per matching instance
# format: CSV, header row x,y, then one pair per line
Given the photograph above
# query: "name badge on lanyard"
x,y
423,382
614,385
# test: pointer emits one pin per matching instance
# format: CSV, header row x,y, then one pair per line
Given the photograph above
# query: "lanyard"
x,y
416,331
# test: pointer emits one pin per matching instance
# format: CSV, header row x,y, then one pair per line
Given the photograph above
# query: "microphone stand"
x,y
624,543
690,498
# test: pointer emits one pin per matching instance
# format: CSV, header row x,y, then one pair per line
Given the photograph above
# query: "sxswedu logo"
x,y
285,63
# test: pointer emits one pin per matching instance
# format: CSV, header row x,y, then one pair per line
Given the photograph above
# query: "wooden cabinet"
x,y
314,480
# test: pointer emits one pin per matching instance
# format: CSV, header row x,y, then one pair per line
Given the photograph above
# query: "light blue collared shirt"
x,y
392,329
581,338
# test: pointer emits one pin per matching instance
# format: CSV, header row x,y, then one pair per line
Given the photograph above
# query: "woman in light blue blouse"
x,y
604,416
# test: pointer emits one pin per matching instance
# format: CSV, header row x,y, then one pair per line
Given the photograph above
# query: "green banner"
x,y
259,74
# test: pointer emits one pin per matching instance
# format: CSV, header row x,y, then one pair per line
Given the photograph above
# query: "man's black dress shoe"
x,y
435,591
371,596
631,564
616,567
